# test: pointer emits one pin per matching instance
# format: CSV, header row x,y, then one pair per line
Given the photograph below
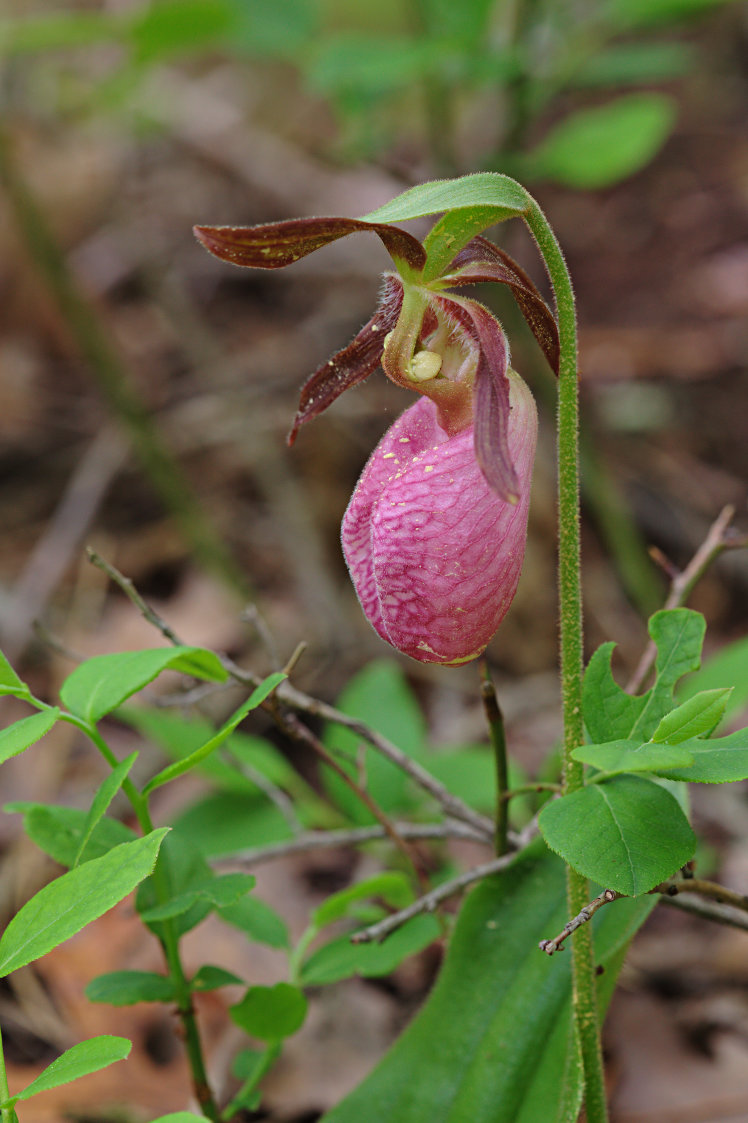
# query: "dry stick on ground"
x,y
430,901
582,917
297,700
718,539
322,840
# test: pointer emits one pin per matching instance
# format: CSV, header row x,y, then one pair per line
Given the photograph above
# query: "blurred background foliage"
x,y
146,389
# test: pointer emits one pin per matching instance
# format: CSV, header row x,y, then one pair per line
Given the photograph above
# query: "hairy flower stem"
x,y
570,613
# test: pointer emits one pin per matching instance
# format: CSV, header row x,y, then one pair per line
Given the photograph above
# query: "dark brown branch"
x,y
583,917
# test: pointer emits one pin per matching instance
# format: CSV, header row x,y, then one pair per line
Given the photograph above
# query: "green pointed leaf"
x,y
633,756
219,891
492,1044
595,148
81,1060
25,732
380,696
181,868
125,988
230,822
480,189
101,801
61,909
103,683
209,977
611,714
627,833
722,760
58,831
10,683
694,718
261,923
256,698
341,959
393,887
728,667
271,1013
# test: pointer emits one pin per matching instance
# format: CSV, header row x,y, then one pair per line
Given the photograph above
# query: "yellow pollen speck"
x,y
404,440
429,468
388,456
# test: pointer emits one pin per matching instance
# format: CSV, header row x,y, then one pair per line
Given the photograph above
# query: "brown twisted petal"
x,y
354,363
275,244
482,261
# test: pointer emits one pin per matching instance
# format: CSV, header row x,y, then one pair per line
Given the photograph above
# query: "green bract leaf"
x,y
10,683
61,909
125,988
341,959
481,189
633,756
723,760
610,713
627,833
695,718
597,147
270,1013
380,696
181,868
58,831
394,888
211,978
219,891
728,667
261,923
25,732
256,698
82,1059
101,801
492,1044
99,685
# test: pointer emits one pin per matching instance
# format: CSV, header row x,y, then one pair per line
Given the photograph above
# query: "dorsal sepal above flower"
x,y
276,244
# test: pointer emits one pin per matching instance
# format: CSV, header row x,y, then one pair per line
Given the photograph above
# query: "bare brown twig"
x,y
582,917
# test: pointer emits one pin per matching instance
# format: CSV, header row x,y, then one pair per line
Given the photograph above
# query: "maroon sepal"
x,y
481,261
354,363
275,244
491,401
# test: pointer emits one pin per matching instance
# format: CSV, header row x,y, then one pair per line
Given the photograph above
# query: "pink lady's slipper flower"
x,y
434,535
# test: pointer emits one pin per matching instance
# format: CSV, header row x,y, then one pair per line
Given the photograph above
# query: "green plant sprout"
x,y
511,1031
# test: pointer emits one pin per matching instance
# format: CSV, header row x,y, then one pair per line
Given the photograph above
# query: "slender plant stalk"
x,y
7,1115
495,721
570,613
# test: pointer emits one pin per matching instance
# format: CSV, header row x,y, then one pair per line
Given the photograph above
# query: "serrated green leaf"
x,y
727,667
721,760
25,732
392,887
81,1060
103,683
633,756
58,831
611,714
380,696
492,1044
694,718
104,796
341,959
626,833
125,988
219,891
10,683
270,1013
209,977
61,909
595,148
256,698
261,923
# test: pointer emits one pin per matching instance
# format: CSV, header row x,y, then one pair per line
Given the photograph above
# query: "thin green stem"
x,y
7,1114
495,721
571,655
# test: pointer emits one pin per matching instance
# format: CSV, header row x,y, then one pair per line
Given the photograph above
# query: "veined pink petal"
x,y
435,555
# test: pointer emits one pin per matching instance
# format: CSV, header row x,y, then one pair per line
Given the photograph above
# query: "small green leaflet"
x,y
10,683
695,718
66,905
103,683
125,988
256,698
25,732
219,891
81,1060
633,756
722,760
341,959
626,833
392,887
101,801
271,1013
209,977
